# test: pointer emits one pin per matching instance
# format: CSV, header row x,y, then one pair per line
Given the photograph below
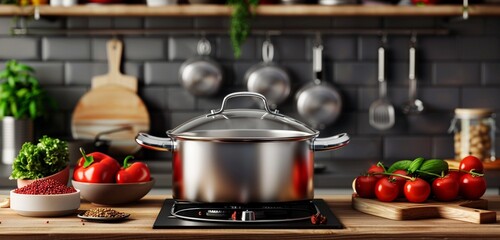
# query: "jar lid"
x,y
473,112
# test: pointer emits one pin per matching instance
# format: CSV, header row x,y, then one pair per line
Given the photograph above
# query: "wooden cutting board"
x,y
112,107
463,210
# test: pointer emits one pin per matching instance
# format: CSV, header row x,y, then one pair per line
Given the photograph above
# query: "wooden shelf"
x,y
266,10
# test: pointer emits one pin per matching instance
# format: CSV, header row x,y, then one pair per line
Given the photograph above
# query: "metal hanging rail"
x,y
173,31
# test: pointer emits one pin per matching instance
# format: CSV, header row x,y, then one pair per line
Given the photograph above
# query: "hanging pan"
x,y
318,102
201,75
267,78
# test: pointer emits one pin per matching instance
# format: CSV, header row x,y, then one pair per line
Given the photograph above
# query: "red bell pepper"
x,y
96,167
135,172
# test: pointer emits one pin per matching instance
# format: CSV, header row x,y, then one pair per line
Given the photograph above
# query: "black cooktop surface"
x,y
166,220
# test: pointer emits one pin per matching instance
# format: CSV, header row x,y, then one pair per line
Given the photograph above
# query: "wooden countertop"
x,y
143,213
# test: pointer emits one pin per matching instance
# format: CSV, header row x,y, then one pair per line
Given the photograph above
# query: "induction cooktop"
x,y
290,215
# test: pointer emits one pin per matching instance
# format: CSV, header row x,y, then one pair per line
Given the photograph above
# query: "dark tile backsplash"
x,y
20,48
161,73
437,48
144,49
52,73
490,73
59,48
80,73
457,70
457,73
407,147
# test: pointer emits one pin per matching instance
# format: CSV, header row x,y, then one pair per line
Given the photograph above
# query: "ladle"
x,y
414,105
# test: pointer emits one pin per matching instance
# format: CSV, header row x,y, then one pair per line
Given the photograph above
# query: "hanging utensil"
x,y
267,78
318,102
381,112
414,105
201,75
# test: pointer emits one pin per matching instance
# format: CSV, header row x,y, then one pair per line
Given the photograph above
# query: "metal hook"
x,y
317,59
317,41
268,36
204,48
267,50
383,39
413,39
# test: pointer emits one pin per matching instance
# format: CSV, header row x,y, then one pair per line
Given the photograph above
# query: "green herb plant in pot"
x,y
22,100
49,158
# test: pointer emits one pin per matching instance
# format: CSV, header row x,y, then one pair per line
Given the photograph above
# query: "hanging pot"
x,y
267,78
319,102
243,155
201,75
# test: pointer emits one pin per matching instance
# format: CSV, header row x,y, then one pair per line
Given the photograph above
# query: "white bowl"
x,y
45,205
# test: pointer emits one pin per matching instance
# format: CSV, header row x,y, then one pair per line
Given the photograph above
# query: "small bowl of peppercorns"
x,y
45,198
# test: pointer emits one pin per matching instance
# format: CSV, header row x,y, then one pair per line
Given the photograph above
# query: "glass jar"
x,y
474,133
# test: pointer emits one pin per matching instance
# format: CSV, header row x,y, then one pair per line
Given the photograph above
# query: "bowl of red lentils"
x,y
45,198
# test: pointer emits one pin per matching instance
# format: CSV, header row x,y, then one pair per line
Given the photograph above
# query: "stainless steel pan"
x,y
318,102
267,78
201,75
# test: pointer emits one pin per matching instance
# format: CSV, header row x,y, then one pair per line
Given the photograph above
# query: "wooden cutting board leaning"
x,y
462,210
112,107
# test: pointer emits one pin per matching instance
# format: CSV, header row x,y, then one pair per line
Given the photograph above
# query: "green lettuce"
x,y
48,156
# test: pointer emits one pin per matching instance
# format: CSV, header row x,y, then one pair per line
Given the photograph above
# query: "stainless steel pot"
x,y
267,78
201,75
243,155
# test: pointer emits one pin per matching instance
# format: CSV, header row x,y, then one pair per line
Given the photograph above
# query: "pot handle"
x,y
243,94
330,143
155,143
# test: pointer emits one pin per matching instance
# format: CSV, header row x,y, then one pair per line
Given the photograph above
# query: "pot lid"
x,y
243,124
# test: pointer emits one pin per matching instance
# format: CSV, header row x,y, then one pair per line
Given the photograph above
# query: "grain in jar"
x,y
474,133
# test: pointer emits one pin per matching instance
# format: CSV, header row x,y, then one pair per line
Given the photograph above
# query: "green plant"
x,y
240,22
8,2
47,157
21,96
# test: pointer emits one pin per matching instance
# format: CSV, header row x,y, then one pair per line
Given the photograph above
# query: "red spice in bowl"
x,y
45,187
45,198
